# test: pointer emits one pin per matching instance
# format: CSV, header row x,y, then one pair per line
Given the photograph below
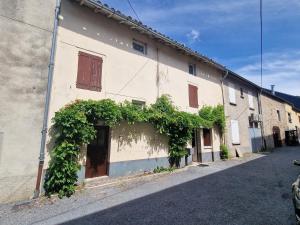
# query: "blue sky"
x,y
229,32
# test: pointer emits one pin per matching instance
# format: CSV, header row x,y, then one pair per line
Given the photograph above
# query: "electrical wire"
x,y
261,45
133,10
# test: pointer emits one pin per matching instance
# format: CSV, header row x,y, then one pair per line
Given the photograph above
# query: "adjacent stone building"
x,y
242,111
25,40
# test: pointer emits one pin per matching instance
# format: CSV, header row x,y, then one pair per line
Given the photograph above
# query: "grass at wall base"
x,y
74,127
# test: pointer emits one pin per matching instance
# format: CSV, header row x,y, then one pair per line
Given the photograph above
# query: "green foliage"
x,y
62,171
224,152
163,169
74,126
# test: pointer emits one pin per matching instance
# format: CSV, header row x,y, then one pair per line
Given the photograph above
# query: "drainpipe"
x,y
223,98
47,101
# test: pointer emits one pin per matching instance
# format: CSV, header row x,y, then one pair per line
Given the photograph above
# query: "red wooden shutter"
x,y
206,137
193,96
89,72
96,73
84,71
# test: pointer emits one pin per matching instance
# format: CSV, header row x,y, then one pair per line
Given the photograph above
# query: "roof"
x,y
138,26
292,100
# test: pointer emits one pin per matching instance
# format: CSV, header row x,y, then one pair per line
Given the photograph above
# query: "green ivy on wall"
x,y
74,126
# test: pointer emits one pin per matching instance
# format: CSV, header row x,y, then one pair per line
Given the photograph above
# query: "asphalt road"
x,y
252,191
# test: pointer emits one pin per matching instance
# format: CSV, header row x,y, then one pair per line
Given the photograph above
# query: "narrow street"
x,y
252,190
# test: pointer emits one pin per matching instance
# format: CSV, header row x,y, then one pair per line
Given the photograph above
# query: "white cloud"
x,y
280,68
193,35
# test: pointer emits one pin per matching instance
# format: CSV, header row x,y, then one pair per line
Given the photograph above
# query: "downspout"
x,y
223,98
47,102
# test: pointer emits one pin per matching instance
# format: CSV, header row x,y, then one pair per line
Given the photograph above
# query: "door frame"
x,y
100,124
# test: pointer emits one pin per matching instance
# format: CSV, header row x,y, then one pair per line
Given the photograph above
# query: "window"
x,y
207,137
242,92
89,72
138,103
278,115
231,91
192,69
139,46
193,96
235,133
289,117
250,99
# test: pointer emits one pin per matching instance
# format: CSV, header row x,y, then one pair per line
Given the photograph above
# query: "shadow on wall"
x,y
250,193
139,136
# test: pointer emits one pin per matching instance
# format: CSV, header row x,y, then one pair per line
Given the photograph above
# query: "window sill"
x,y
231,103
80,86
207,147
236,143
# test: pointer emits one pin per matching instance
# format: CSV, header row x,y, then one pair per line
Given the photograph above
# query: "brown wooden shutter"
x,y
96,73
206,137
193,96
89,72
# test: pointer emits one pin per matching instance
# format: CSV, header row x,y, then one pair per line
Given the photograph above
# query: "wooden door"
x,y
97,154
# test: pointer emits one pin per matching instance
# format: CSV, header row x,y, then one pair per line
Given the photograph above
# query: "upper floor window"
x,y
193,96
278,115
139,46
250,99
192,69
290,117
242,92
138,103
89,72
231,91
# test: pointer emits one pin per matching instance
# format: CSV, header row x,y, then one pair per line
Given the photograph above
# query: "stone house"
x,y
274,120
243,115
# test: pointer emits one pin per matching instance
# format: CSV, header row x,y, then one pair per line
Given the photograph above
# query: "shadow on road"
x,y
256,192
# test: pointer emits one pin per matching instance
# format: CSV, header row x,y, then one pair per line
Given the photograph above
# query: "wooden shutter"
x,y
235,133
231,90
250,99
96,73
193,96
89,72
206,137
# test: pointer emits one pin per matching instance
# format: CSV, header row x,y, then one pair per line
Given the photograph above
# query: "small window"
x,y
138,103
289,117
139,46
278,115
192,69
207,137
242,92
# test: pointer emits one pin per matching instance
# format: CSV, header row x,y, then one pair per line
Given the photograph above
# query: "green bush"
x,y
74,126
224,152
163,169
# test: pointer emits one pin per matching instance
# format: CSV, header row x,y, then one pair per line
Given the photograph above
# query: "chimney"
x,y
272,89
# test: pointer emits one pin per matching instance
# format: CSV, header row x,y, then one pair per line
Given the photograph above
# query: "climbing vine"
x,y
74,126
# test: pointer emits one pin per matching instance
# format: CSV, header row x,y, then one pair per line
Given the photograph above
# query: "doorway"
x,y
97,154
276,137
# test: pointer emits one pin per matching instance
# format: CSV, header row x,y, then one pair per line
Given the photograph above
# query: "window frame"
x,y
138,103
193,65
231,94
140,43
